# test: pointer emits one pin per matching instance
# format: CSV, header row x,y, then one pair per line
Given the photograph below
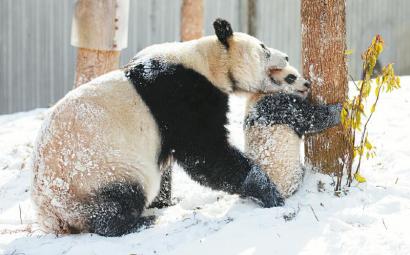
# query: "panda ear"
x,y
223,31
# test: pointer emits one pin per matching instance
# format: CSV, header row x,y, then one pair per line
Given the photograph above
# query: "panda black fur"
x,y
274,127
98,158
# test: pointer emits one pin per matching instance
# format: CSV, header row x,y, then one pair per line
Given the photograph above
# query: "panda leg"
x,y
116,209
303,116
164,197
230,171
323,117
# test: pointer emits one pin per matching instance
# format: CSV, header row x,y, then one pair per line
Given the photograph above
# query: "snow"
x,y
371,218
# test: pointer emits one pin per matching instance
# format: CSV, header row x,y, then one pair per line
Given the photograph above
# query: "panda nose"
x,y
307,84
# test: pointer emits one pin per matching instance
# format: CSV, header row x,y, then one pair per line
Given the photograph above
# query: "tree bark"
x,y
192,16
100,32
93,63
324,63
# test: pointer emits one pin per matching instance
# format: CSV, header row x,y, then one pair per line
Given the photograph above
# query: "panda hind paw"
x,y
259,186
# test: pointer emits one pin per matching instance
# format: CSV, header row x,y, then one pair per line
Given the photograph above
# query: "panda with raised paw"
x,y
99,156
275,124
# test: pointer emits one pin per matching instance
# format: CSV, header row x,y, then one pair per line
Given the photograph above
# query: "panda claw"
x,y
275,200
279,200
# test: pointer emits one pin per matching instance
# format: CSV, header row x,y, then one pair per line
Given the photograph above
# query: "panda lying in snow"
x,y
274,126
98,158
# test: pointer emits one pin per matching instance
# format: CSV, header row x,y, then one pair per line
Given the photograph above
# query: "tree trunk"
x,y
99,31
252,12
93,63
191,19
323,55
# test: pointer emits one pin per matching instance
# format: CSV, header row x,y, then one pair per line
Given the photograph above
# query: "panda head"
x,y
249,63
289,80
233,62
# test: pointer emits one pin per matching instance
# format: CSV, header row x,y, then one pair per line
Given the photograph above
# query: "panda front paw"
x,y
335,113
258,185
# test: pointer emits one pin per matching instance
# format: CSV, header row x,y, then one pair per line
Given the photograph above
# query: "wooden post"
x,y
192,19
100,32
324,63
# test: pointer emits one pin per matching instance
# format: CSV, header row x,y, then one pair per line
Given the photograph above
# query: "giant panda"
x,y
275,124
99,155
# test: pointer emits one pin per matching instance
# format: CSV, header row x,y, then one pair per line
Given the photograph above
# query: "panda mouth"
x,y
273,70
304,92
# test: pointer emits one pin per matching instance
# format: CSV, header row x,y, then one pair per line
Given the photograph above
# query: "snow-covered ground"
x,y
372,218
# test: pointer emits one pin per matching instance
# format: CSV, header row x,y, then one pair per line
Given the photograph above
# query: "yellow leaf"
x,y
359,178
368,145
349,52
377,90
378,80
360,150
361,107
373,108
379,48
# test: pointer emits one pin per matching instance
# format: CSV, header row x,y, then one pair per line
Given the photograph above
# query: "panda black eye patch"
x,y
290,78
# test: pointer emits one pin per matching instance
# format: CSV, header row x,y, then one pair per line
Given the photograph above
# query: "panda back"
x,y
99,133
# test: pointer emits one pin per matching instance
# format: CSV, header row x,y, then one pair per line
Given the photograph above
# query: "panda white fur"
x,y
98,157
274,126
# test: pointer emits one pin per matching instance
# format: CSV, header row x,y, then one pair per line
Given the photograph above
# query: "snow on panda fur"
x,y
274,127
89,141
98,158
